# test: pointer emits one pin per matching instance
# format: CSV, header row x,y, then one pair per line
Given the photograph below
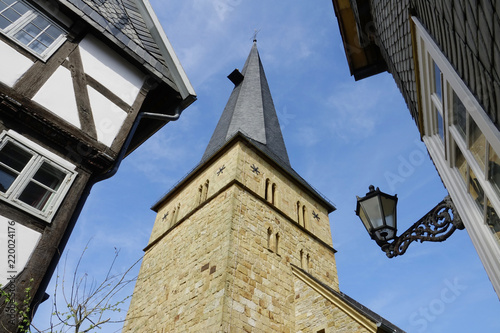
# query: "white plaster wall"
x,y
58,96
108,117
111,70
25,239
13,64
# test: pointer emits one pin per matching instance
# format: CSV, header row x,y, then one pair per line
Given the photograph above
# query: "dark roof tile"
x,y
123,20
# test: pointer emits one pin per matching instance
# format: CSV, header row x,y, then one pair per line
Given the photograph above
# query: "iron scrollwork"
x,y
436,226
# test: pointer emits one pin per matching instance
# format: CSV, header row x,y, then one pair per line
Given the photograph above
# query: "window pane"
x,y
49,176
21,8
459,115
40,22
32,30
476,191
54,32
45,39
477,143
13,156
437,80
35,195
23,37
494,170
4,23
7,177
13,159
11,15
461,163
493,221
440,124
37,47
38,196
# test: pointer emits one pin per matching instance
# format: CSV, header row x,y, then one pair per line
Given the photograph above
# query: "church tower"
x,y
243,243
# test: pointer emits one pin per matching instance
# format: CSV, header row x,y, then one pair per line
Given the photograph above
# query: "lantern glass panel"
x,y
372,209
389,207
364,218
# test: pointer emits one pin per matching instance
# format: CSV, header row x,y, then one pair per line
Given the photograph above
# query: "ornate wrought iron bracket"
x,y
436,226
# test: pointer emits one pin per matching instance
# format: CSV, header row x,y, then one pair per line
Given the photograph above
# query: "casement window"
x,y
30,28
32,178
460,136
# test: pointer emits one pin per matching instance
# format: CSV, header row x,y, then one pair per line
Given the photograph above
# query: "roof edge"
x,y
157,32
241,136
378,323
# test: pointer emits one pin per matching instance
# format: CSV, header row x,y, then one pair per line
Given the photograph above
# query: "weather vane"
x,y
255,34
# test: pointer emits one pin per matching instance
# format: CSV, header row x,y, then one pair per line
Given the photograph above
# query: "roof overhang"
x,y
359,38
179,76
170,72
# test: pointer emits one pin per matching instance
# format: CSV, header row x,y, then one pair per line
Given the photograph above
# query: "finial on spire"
x,y
255,35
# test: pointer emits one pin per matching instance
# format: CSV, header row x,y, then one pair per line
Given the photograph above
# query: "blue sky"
x,y
341,136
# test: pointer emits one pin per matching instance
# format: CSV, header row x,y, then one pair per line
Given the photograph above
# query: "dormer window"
x,y
30,28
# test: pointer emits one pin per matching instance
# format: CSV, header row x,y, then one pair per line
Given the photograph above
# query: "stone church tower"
x,y
243,243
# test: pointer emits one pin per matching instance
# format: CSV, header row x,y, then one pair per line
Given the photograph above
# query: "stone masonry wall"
x,y
187,198
288,192
260,296
182,280
314,312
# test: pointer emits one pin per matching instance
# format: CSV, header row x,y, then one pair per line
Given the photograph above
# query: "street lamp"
x,y
377,211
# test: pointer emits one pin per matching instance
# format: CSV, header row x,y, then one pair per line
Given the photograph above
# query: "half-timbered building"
x,y
82,84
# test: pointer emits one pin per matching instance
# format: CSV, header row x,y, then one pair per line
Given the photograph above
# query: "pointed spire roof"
x,y
250,110
250,116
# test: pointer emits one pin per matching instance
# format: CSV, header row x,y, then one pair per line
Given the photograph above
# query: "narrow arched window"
x,y
298,212
205,190
200,194
172,219
270,239
266,193
307,262
304,217
301,258
273,194
305,221
177,212
277,243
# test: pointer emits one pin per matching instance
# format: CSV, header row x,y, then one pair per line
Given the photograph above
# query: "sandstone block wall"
x,y
288,192
182,282
314,313
261,293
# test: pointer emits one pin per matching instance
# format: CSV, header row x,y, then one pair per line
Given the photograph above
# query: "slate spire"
x,y
250,110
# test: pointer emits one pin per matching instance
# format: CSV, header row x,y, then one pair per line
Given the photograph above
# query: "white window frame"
x,y
443,156
40,155
23,21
